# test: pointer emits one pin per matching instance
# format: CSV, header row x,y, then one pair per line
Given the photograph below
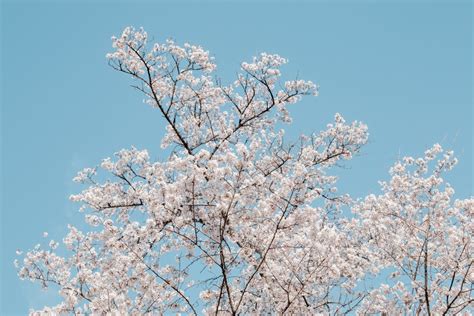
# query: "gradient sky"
x,y
403,67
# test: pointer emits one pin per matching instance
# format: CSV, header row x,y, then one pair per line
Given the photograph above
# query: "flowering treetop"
x,y
240,221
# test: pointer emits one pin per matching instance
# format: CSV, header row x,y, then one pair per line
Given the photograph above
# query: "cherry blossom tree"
x,y
423,237
239,220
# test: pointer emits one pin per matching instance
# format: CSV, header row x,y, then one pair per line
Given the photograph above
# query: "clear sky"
x,y
403,67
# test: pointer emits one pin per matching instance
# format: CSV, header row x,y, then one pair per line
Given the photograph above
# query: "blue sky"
x,y
403,67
